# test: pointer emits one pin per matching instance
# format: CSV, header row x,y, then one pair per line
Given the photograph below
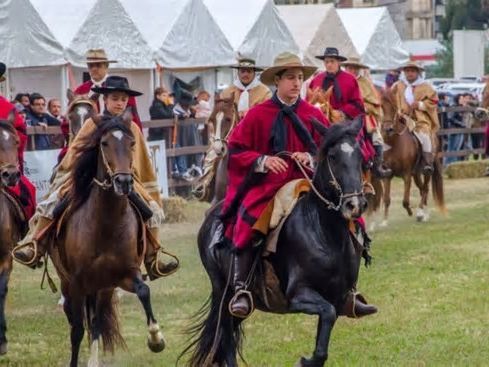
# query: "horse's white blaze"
x,y
219,117
93,361
6,135
118,134
346,148
82,112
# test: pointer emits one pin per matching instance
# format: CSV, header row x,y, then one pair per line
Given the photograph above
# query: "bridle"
x,y
217,140
333,182
107,183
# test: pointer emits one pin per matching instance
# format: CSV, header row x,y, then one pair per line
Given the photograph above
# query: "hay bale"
x,y
174,208
467,169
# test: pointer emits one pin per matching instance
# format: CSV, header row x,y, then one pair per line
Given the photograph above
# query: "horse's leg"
x,y
387,201
423,186
77,330
407,192
4,278
93,320
310,302
156,342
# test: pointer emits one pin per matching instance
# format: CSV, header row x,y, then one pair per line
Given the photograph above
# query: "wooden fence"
x,y
199,149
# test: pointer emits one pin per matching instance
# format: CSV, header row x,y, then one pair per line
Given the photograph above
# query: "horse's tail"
x,y
437,186
108,320
216,335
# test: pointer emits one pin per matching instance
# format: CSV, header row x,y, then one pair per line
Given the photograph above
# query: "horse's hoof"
x,y
3,348
384,224
156,342
372,227
420,215
304,362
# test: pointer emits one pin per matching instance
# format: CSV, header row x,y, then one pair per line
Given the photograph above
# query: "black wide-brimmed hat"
x,y
116,84
3,69
331,52
183,92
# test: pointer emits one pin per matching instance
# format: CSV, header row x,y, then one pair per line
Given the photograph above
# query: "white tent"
x,y
374,36
109,26
316,27
29,50
255,29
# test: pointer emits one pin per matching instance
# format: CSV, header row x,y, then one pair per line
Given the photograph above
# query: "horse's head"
x,y
320,99
338,177
80,109
116,143
223,118
391,118
9,144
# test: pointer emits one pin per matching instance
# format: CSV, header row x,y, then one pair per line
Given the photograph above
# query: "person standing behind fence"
x,y
456,120
161,109
98,68
37,116
54,109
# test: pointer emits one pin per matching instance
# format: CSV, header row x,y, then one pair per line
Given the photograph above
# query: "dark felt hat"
x,y
116,84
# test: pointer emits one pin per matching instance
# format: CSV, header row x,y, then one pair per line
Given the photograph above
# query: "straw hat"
x,y
412,64
284,61
96,55
246,63
355,62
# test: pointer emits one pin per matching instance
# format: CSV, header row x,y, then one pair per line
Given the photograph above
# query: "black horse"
x,y
316,262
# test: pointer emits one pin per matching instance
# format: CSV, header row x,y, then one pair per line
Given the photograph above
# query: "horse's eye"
x,y
133,143
105,144
331,156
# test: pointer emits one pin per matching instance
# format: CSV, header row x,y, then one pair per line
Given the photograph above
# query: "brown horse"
x,y
11,228
80,109
101,245
221,122
321,99
403,157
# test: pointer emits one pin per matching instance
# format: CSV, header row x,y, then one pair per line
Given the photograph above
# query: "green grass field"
x,y
430,281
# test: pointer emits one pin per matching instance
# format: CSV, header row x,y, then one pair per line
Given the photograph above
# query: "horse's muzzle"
x,y
123,183
353,207
219,147
10,176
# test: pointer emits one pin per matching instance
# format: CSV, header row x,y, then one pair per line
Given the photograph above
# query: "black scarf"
x,y
331,79
278,137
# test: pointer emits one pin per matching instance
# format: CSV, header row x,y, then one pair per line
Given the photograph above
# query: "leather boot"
x,y
378,169
140,204
155,267
427,163
356,306
29,251
241,303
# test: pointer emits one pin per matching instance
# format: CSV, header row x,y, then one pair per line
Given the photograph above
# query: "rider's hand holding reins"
x,y
303,158
275,164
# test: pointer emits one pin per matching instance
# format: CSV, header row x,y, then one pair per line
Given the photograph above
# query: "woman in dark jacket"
x,y
161,108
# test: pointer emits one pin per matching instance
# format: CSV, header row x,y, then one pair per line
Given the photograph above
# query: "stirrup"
x,y
239,293
35,261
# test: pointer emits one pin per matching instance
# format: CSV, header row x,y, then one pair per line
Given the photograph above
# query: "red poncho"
x,y
248,142
85,89
24,192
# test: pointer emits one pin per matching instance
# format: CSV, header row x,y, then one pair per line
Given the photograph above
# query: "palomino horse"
x,y
11,228
403,157
321,99
221,122
101,245
315,283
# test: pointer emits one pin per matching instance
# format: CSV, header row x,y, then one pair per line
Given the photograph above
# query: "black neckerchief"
x,y
278,136
329,79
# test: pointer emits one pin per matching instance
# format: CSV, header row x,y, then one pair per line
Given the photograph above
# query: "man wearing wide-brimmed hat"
x,y
24,191
98,68
346,99
247,89
417,100
373,111
282,123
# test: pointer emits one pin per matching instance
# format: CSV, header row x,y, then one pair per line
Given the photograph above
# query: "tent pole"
x,y
64,86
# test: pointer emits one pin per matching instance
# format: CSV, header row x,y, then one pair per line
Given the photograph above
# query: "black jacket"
x,y
159,111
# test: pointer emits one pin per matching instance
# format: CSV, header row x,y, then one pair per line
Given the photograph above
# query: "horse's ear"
x,y
357,124
318,126
11,117
127,118
70,95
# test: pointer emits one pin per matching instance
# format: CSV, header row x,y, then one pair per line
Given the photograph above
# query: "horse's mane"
x,y
85,164
335,133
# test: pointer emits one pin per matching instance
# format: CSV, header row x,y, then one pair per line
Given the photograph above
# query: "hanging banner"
x,y
38,167
157,154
